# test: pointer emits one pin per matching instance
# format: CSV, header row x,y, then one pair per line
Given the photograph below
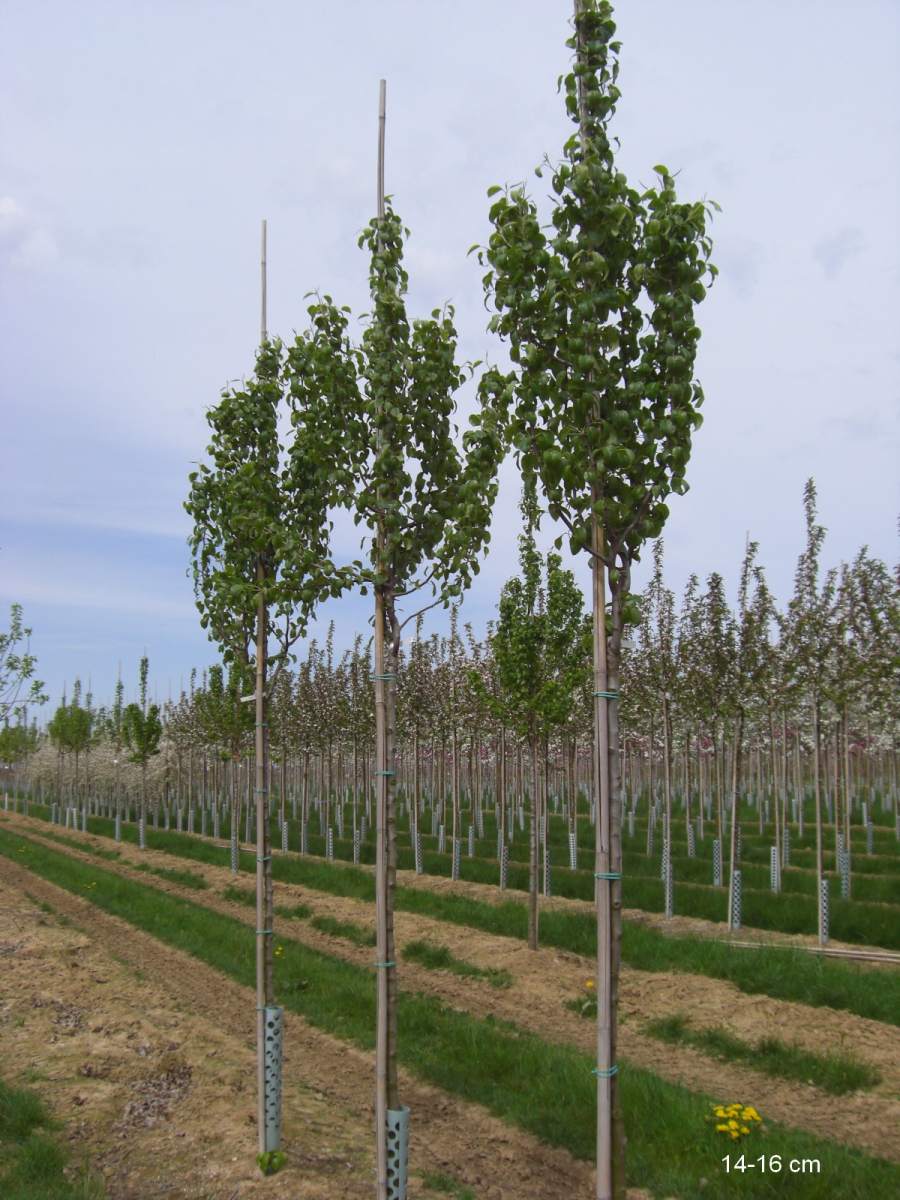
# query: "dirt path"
x,y
497,1161
159,1095
544,980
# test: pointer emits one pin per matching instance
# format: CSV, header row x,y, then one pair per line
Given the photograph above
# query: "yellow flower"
x,y
721,1129
735,1134
744,1129
589,983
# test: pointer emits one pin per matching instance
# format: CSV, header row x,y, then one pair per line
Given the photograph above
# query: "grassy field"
x,y
785,974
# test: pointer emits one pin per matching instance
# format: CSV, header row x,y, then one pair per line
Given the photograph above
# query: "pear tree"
x,y
380,412
598,311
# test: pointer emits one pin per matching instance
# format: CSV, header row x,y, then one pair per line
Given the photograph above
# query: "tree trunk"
x,y
817,793
603,890
264,907
533,850
735,813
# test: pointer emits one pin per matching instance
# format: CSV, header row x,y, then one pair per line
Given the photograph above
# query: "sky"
x,y
142,143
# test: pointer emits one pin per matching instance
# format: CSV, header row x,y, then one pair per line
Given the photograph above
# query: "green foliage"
x,y
379,414
541,643
257,532
224,722
598,309
271,1161
17,742
71,726
141,725
17,665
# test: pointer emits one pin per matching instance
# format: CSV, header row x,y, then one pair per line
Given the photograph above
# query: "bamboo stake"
x,y
381,788
264,908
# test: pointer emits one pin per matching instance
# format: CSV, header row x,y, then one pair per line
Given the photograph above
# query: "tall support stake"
x,y
268,1058
605,1066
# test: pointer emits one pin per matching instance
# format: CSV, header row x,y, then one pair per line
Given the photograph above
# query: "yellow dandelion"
x,y
589,983
721,1129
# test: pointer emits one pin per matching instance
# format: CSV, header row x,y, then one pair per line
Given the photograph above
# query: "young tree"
x,y
541,647
601,403
71,727
142,733
381,412
808,633
260,551
17,666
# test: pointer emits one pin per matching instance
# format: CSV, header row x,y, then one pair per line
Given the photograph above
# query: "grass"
x,y
240,895
189,879
439,1181
440,958
834,1073
546,1089
32,1162
359,935
783,973
296,912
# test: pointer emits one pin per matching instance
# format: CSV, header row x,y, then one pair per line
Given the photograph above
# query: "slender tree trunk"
x,y
533,850
602,869
264,906
817,793
735,814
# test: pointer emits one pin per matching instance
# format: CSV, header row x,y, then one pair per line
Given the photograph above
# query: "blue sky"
x,y
141,144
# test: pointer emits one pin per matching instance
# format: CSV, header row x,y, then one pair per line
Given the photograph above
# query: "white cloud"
x,y
838,248
24,242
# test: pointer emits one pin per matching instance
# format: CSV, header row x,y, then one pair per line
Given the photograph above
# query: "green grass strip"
x,y
780,972
440,958
546,1089
835,1073
350,931
189,879
32,1162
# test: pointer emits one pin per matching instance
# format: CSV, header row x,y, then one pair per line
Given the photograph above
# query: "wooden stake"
x,y
381,790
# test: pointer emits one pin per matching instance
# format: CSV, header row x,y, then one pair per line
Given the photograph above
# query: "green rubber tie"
x,y
387,675
385,964
607,874
605,1072
268,858
608,695
385,772
264,932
